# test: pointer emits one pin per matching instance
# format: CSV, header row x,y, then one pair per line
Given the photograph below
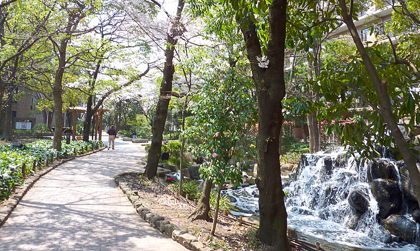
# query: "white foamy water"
x,y
317,203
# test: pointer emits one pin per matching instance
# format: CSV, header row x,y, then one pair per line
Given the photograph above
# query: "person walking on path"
x,y
106,127
112,134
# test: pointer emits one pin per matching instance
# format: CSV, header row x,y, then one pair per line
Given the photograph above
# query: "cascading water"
x,y
318,204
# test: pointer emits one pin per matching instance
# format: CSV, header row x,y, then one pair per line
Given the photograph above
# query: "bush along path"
x,y
19,161
21,166
78,206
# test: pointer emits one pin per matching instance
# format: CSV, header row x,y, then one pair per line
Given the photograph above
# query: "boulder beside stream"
x,y
402,227
388,195
359,201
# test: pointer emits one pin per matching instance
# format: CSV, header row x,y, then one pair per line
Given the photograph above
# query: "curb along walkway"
x,y
77,206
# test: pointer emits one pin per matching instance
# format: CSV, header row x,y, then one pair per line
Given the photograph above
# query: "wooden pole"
x,y
23,170
96,127
101,114
74,116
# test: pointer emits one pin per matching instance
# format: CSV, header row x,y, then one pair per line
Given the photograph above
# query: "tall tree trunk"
x,y
216,210
50,118
385,108
165,95
181,175
270,87
8,120
88,119
58,114
203,207
312,133
311,118
2,43
58,96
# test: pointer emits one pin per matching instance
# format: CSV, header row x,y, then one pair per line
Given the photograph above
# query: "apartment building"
x,y
24,113
369,17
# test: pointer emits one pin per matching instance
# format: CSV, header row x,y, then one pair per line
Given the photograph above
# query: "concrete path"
x,y
77,206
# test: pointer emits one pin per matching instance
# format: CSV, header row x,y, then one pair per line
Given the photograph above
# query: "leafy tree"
x,y
382,98
112,44
17,35
176,30
263,26
224,112
68,15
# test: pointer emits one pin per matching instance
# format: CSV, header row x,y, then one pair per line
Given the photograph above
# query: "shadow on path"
x,y
77,206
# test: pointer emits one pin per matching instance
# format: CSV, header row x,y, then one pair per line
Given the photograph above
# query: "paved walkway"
x,y
77,206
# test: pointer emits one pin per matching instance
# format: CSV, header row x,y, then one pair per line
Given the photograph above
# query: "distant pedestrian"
x,y
112,134
134,135
106,128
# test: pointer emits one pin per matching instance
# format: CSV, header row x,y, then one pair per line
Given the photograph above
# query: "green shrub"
x,y
79,127
289,144
163,149
12,158
175,161
125,133
190,187
290,157
17,132
224,203
252,239
40,129
175,148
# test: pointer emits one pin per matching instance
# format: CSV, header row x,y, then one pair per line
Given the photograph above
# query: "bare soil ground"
x,y
229,235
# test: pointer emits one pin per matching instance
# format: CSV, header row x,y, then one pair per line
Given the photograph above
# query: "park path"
x,y
77,206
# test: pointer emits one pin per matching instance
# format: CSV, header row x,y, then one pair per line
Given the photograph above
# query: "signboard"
x,y
23,125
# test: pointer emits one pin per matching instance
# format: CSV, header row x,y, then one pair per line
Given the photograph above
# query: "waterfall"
x,y
317,202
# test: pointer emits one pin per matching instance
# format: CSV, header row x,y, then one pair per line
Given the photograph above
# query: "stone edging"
x,y
181,236
11,203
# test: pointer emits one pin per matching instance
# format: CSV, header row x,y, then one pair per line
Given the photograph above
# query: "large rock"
x,y
186,173
173,168
194,172
328,165
164,166
139,141
161,172
416,215
402,227
359,201
381,170
388,195
255,171
407,185
164,156
353,221
188,157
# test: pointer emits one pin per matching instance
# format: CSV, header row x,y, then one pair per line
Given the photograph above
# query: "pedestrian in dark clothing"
x,y
112,134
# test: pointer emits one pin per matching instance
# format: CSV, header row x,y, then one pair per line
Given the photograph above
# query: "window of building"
x,y
13,114
32,104
363,34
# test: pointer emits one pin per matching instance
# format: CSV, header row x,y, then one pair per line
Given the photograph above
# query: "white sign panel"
x,y
23,125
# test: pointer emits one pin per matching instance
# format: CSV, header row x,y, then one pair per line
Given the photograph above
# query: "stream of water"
x,y
317,203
